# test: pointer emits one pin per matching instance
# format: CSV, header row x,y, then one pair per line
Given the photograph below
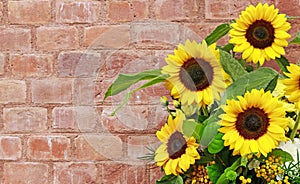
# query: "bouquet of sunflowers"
x,y
231,119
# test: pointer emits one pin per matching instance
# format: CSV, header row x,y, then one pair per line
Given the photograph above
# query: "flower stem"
x,y
295,126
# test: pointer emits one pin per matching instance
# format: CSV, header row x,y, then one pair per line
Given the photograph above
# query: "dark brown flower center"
x,y
176,145
252,123
196,74
260,34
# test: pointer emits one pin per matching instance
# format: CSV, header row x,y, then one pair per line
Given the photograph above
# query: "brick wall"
x,y
57,58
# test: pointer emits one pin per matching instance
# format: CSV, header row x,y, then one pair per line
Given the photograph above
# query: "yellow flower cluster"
x,y
199,175
270,169
245,180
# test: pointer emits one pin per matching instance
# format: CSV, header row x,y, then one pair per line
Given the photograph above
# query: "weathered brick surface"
x,y
31,65
55,38
77,12
57,59
15,39
10,148
52,90
75,173
48,148
25,172
12,91
29,12
25,119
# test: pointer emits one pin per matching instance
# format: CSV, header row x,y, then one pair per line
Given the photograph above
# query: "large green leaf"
x,y
282,63
192,128
258,79
124,81
214,172
285,156
155,80
218,33
216,145
296,40
231,65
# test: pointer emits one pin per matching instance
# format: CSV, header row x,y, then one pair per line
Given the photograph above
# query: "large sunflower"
x,y
292,84
254,123
177,151
195,75
260,33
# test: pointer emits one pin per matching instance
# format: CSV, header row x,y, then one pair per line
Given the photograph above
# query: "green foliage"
x,y
216,145
296,40
124,81
285,156
214,172
282,63
170,179
192,128
218,33
231,66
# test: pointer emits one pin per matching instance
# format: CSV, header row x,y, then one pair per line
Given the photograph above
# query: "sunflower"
x,y
254,123
177,151
195,75
260,33
292,84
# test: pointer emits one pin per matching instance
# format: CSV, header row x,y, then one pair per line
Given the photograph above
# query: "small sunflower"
x,y
292,84
177,151
254,123
195,74
260,33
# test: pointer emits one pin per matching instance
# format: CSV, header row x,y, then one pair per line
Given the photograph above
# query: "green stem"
x,y
205,111
295,126
257,65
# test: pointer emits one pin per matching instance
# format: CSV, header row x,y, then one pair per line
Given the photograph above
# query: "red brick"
x,y
31,65
75,173
291,8
228,9
98,147
53,90
293,54
156,35
48,148
169,9
117,170
74,118
119,11
15,39
140,9
2,63
10,148
155,172
25,119
84,91
136,174
29,12
137,145
107,36
26,172
133,118
77,12
78,64
1,11
12,91
55,38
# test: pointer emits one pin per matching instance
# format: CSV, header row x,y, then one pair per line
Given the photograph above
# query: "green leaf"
x,y
258,79
147,84
271,86
231,65
282,63
218,33
170,179
285,156
192,128
124,81
214,172
228,47
296,40
216,145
